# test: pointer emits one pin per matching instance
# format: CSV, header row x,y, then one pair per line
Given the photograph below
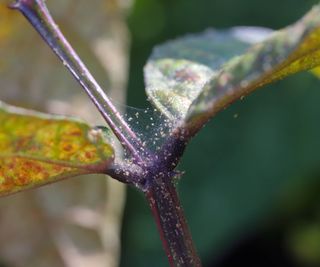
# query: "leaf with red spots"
x,y
37,149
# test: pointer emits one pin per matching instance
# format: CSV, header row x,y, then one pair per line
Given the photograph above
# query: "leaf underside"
x,y
177,70
37,149
194,77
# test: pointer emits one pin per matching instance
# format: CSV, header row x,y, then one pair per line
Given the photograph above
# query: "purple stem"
x,y
172,226
38,15
153,173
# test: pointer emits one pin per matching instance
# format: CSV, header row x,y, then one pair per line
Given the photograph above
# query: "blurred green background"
x,y
251,187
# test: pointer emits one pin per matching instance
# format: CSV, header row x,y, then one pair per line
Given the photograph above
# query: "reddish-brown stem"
x,y
169,216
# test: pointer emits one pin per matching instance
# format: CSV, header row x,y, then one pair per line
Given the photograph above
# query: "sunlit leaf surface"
x,y
36,149
177,70
194,83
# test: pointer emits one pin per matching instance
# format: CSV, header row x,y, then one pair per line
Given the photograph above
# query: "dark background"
x,y
251,187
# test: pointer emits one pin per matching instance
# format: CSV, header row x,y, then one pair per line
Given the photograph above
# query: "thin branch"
x,y
127,173
38,15
152,174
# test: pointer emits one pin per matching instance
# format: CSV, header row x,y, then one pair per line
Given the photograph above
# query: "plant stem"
x,y
38,15
150,173
169,216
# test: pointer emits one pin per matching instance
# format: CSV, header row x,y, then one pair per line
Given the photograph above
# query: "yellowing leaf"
x,y
6,22
316,71
192,78
293,49
37,149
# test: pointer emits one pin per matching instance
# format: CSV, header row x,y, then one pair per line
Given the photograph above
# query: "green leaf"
x,y
177,70
196,90
37,149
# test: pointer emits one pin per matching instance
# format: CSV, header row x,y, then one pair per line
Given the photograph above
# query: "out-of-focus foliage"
x,y
242,171
37,149
245,169
74,222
